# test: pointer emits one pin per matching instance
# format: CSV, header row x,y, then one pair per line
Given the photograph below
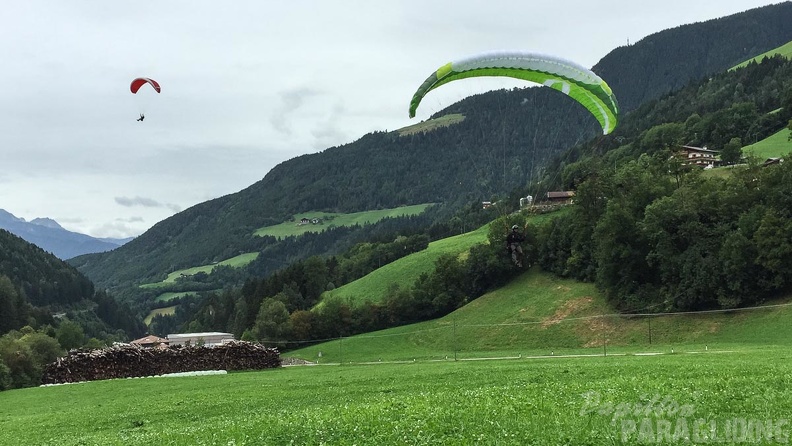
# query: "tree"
x,y
663,137
44,348
302,324
70,335
20,360
272,322
5,376
732,151
9,306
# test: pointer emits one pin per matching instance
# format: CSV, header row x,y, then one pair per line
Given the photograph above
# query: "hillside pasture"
x,y
403,272
776,145
784,50
165,311
540,315
166,297
669,399
234,262
294,228
432,124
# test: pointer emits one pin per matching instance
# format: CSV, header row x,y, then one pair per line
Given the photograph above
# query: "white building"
x,y
207,339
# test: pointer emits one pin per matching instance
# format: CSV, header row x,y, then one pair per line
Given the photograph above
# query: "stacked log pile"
x,y
130,361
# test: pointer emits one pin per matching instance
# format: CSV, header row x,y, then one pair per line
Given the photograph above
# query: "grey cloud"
x,y
291,100
130,220
146,203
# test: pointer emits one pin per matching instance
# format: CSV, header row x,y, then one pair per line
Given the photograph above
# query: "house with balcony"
x,y
697,156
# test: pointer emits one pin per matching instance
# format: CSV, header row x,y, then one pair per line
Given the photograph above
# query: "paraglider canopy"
x,y
565,76
141,81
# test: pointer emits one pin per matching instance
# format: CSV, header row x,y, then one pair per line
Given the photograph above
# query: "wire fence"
x,y
555,335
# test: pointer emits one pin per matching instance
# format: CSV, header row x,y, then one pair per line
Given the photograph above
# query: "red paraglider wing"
x,y
139,82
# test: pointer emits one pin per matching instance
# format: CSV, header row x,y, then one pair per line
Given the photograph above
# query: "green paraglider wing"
x,y
567,77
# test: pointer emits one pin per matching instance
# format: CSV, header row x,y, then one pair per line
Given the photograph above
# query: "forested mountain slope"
x,y
668,60
506,138
34,285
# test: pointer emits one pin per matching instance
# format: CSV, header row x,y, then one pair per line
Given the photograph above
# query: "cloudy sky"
x,y
246,84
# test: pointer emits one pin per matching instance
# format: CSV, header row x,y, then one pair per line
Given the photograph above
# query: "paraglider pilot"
x,y
513,241
141,118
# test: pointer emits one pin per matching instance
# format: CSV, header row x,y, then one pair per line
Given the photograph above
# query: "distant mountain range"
x,y
48,235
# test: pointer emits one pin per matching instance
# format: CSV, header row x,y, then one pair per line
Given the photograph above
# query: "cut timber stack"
x,y
130,361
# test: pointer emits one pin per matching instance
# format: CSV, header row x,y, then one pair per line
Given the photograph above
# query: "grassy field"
x,y
166,311
538,314
431,124
540,361
406,270
775,146
682,398
784,50
291,228
235,262
166,297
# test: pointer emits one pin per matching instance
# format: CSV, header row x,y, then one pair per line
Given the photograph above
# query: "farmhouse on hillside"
x,y
697,156
561,197
306,220
772,161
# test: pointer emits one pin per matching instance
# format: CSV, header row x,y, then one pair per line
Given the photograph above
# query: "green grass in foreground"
x,y
290,228
718,397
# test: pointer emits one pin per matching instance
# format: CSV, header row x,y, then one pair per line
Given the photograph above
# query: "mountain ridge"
x,y
49,235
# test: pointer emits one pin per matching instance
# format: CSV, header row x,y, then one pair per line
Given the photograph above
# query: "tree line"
x,y
656,235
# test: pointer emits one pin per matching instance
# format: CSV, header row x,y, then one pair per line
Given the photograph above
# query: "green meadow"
x,y
541,315
293,228
784,50
165,311
235,262
738,396
166,297
777,145
403,272
542,360
432,124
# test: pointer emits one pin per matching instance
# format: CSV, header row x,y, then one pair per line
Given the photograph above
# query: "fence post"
x,y
341,349
604,343
454,339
